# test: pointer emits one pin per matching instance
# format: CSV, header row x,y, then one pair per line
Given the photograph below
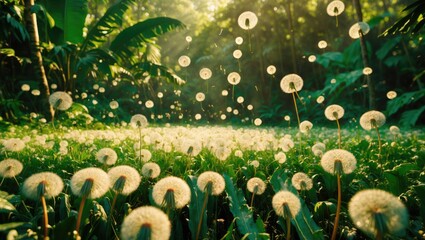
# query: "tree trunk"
x,y
370,83
37,59
292,31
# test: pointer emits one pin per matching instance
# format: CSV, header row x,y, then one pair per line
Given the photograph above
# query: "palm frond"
x,y
156,70
110,21
140,34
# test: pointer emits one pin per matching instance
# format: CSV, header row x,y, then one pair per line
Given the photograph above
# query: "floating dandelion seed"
x,y
151,170
124,179
205,73
200,97
198,116
188,39
101,89
53,86
302,181
357,29
234,78
113,105
287,118
258,122
46,184
367,71
391,94
215,179
237,54
107,156
184,61
322,44
25,87
149,104
291,83
223,116
335,8
271,69
240,99
247,20
224,93
138,120
60,100
377,212
250,107
312,58
146,222
9,168
333,81
175,185
320,99
160,95
239,40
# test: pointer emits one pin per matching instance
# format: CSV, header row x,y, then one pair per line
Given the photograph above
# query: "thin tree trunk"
x,y
37,58
370,83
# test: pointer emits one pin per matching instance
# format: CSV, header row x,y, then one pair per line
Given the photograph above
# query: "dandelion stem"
x,y
296,110
252,198
379,144
80,214
201,217
339,133
288,228
378,235
338,207
114,201
45,217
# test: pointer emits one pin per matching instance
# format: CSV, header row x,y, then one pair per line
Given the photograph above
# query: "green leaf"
x,y
111,20
409,118
240,210
142,33
326,58
7,51
407,98
195,208
156,70
387,47
6,206
13,225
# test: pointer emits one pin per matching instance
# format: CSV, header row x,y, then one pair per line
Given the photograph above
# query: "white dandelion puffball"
x,y
25,87
198,116
367,71
234,78
149,104
271,69
200,97
52,186
240,99
306,126
258,122
282,198
107,156
205,73
184,61
146,217
114,104
10,168
215,179
124,179
291,83
60,100
312,58
372,119
355,30
256,186
239,40
178,186
366,205
97,179
224,93
138,120
280,157
391,94
237,54
346,158
302,181
320,99
334,112
335,8
322,44
188,39
247,20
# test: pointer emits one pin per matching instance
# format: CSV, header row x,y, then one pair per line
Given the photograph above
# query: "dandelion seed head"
x,y
372,119
200,97
258,121
25,87
107,156
271,69
98,177
320,99
205,73
52,185
247,20
256,185
346,158
357,28
334,112
366,204
237,54
282,198
280,157
391,94
139,120
234,78
335,8
131,176
291,83
151,170
114,105
224,93
312,58
367,71
184,61
215,179
177,185
306,126
146,216
144,155
60,100
322,44
239,40
302,181
394,130
35,92
14,145
10,168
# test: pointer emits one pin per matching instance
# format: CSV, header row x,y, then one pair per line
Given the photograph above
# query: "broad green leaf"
x,y
409,118
387,47
158,71
6,206
195,208
407,98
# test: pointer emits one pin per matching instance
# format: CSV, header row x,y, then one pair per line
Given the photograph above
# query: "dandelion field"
x,y
273,155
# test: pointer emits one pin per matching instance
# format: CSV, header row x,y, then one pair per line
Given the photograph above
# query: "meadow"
x,y
272,155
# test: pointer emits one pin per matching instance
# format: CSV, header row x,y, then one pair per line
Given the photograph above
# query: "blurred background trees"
x,y
112,59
